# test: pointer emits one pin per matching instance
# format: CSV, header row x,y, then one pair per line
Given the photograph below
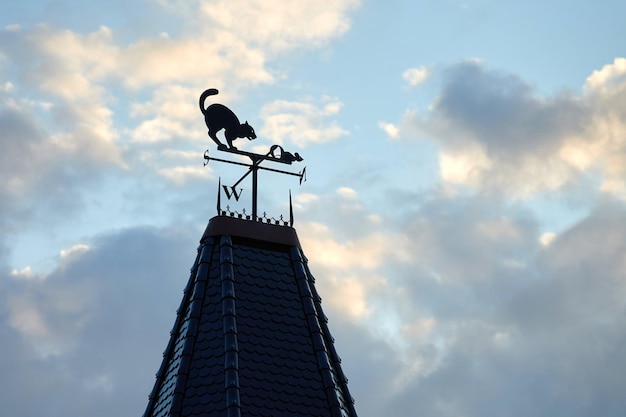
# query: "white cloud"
x,y
415,76
182,174
305,198
352,264
375,219
73,251
347,193
282,25
171,100
171,114
177,154
363,254
465,166
24,273
68,68
350,269
163,60
77,63
390,129
547,238
301,123
609,77
158,130
73,61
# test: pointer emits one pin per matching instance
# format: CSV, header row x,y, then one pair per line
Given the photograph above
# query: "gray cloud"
x,y
41,177
542,338
489,321
503,112
499,133
87,338
28,169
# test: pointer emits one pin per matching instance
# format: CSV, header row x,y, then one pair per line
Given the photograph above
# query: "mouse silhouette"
x,y
277,151
218,117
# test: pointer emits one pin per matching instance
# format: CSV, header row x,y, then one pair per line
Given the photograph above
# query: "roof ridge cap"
x,y
229,325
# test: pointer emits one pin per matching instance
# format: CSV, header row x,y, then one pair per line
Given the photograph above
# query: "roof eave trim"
x,y
233,226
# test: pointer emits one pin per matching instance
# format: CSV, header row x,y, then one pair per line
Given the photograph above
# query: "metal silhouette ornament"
x,y
218,117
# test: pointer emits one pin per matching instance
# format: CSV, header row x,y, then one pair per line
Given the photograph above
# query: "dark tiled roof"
x,y
250,337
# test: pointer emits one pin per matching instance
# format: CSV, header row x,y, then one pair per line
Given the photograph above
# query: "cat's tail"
x,y
203,97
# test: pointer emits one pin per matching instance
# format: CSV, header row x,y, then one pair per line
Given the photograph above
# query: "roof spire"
x,y
250,337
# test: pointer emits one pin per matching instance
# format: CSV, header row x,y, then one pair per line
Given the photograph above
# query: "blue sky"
x,y
463,213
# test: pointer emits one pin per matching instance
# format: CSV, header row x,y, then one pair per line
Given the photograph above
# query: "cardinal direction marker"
x,y
275,154
232,192
303,175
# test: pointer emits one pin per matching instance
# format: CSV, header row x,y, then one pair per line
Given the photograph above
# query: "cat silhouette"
x,y
218,117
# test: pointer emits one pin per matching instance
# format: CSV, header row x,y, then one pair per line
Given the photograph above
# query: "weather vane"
x,y
218,117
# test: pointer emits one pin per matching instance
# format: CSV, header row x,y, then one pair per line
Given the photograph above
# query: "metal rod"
x,y
282,172
254,156
254,170
219,198
253,165
224,160
243,176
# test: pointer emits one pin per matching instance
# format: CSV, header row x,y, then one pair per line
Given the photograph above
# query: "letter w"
x,y
232,192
